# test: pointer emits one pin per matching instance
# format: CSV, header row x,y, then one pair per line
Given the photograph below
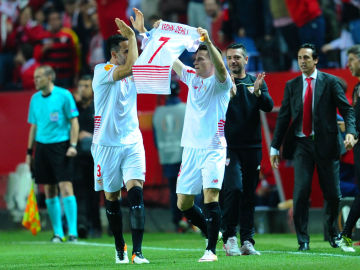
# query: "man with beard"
x,y
249,95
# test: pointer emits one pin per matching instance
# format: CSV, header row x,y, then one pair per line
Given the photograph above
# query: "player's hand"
x,y
71,152
204,36
157,23
28,160
258,83
349,141
275,160
138,22
233,89
124,29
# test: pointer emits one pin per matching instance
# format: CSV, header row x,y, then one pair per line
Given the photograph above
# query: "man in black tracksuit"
x,y
243,134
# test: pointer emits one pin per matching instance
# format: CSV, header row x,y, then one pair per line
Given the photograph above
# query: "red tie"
x,y
307,110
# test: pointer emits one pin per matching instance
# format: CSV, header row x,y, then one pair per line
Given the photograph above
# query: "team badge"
x,y
108,67
54,116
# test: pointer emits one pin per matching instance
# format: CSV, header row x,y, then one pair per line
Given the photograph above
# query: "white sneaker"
x,y
208,256
121,256
248,249
231,247
346,244
138,258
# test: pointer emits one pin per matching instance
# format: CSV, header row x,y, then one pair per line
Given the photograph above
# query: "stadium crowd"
x,y
69,34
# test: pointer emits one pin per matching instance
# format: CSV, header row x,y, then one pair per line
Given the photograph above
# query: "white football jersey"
x,y
163,45
116,120
206,108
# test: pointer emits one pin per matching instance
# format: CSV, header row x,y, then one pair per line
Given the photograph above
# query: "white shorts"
x,y
115,165
201,168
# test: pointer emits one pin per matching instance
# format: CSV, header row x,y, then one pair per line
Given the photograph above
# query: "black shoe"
x,y
333,241
304,246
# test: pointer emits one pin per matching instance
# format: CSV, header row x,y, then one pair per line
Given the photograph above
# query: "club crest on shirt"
x,y
251,89
54,116
108,67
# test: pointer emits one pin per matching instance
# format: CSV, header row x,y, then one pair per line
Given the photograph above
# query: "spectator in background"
x,y
88,199
307,15
168,121
214,11
85,29
342,43
26,65
96,53
196,15
71,13
287,31
351,16
57,49
173,10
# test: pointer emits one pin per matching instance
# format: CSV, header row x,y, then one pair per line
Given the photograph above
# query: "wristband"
x,y
73,145
29,151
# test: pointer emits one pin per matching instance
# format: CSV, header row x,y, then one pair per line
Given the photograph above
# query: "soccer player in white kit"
x,y
118,149
203,139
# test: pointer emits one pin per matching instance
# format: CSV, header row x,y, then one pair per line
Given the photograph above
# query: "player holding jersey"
x,y
204,155
118,149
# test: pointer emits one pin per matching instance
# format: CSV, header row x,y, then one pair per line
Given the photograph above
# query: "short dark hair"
x,y
203,47
315,54
354,50
112,44
86,77
237,46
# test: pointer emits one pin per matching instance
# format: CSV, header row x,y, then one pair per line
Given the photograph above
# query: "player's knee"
x,y
51,191
184,202
66,189
112,196
211,195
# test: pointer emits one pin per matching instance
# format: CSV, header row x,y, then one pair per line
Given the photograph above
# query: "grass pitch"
x,y
21,250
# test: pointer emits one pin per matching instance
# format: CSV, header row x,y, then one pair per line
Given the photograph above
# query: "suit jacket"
x,y
328,96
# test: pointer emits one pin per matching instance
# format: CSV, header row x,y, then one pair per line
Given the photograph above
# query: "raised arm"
x,y
138,22
178,66
125,70
215,56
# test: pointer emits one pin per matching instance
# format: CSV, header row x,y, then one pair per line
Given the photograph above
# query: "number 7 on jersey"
x,y
164,40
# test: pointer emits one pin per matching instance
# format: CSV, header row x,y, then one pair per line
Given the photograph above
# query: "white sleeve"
x,y
103,74
187,74
226,85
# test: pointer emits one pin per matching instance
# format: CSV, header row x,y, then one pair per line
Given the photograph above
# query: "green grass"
x,y
21,250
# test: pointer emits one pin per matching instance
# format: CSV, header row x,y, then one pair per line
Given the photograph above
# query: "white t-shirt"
x,y
206,108
163,45
116,121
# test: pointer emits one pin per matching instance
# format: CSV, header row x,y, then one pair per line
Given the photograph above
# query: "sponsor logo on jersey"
x,y
215,181
108,67
54,116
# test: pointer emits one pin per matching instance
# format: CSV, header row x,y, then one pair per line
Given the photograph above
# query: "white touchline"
x,y
82,243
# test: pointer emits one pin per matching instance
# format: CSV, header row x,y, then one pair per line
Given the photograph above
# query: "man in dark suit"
x,y
307,128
